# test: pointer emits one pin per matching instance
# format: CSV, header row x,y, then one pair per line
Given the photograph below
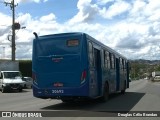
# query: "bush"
x,y
25,66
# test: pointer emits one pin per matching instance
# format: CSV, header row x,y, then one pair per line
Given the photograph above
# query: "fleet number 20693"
x,y
57,91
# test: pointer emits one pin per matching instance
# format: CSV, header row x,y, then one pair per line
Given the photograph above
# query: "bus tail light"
x,y
34,77
83,76
57,84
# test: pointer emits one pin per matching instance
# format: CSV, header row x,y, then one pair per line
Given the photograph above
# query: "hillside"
x,y
143,68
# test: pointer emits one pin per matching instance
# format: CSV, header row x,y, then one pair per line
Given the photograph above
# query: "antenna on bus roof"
x,y
35,34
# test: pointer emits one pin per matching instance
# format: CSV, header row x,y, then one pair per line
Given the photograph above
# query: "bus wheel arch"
x,y
124,88
105,95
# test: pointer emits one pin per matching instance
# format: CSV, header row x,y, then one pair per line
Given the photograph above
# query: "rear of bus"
x,y
60,66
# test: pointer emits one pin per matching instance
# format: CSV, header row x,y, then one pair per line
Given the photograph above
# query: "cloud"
x,y
47,18
87,12
130,35
24,52
115,9
5,19
135,35
24,19
4,27
138,7
104,2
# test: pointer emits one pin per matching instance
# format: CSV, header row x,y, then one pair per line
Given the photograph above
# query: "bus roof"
x,y
61,35
82,34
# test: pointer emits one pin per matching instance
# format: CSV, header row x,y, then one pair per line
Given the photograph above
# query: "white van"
x,y
11,80
10,76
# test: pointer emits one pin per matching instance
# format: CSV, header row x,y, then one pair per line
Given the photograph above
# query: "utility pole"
x,y
12,6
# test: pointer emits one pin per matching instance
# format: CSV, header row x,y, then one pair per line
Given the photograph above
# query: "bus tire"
x,y
67,100
105,96
124,88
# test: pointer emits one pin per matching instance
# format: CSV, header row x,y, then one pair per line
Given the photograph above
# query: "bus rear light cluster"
x,y
83,76
34,77
58,84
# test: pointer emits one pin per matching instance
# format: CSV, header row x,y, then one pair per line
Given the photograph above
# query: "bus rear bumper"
x,y
59,93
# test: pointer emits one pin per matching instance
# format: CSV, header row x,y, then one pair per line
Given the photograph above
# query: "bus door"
x,y
128,68
94,70
98,71
117,74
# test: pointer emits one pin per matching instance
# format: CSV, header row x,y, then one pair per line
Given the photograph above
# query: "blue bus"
x,y
74,66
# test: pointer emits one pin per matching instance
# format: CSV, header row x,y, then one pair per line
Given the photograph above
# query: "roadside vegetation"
x,y
142,69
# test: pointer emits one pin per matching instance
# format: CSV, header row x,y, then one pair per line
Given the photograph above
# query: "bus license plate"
x,y
57,91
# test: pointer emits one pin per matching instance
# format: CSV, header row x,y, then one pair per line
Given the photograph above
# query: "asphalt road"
x,y
142,95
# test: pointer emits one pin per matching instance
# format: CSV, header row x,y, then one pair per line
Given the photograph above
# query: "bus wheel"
x,y
67,100
105,96
124,88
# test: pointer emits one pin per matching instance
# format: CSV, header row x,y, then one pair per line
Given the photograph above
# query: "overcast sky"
x,y
131,27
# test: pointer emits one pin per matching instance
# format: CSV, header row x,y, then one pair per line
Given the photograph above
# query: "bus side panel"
x,y
121,78
127,74
84,63
117,75
94,68
123,74
113,80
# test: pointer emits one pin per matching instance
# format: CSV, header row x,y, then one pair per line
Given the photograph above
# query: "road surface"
x,y
143,95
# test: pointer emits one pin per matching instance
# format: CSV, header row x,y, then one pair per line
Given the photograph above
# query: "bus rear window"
x,y
72,43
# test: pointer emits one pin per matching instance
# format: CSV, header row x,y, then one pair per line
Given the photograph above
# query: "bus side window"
x,y
112,61
107,60
122,63
90,53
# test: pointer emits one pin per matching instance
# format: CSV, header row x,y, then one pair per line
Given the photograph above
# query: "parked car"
x,y
156,78
28,82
